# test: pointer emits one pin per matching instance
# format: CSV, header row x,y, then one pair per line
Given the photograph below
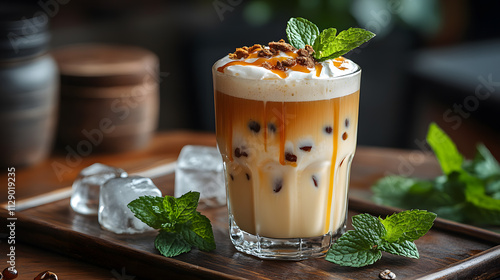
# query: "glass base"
x,y
293,249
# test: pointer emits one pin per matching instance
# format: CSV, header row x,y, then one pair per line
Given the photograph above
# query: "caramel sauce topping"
x,y
272,61
298,60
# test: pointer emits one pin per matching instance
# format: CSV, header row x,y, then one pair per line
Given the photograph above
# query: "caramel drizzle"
x,y
338,63
258,62
318,67
272,61
281,73
333,170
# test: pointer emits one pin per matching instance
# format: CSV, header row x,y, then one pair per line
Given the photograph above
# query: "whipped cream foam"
x,y
259,83
328,69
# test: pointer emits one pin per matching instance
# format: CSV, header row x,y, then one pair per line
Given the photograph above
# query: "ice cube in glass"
x,y
199,168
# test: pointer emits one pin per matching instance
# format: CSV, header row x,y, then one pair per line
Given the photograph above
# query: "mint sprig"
x,y
394,234
181,226
467,192
327,44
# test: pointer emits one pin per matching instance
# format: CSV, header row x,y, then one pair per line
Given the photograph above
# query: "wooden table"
x,y
58,172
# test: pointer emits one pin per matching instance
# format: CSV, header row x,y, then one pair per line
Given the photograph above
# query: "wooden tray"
x,y
448,251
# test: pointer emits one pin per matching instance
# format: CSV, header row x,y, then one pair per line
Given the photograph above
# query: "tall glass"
x,y
287,147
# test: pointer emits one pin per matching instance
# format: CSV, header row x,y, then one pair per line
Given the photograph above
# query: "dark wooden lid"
x,y
105,65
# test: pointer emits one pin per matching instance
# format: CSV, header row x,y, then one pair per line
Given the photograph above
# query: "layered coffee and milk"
x,y
286,129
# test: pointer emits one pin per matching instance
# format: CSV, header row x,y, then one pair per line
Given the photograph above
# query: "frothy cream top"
x,y
246,78
327,69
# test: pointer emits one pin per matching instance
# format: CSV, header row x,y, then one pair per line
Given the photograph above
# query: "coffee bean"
x,y
387,274
238,153
329,129
315,180
346,122
306,148
271,127
290,157
46,275
254,126
278,185
9,273
344,136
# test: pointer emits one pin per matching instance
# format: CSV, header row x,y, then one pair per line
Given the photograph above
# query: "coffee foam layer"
x,y
290,89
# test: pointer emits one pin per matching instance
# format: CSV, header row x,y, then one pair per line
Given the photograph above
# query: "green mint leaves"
x,y
467,192
394,234
446,152
301,32
327,44
181,226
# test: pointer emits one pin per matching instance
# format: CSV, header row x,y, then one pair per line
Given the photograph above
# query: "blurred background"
x,y
432,60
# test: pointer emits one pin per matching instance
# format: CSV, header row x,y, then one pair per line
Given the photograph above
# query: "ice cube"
x,y
85,196
114,215
200,169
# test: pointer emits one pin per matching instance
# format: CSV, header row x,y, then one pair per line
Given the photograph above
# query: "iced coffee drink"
x,y
286,129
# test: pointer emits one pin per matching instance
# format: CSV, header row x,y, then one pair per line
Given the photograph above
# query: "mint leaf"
x,y
331,47
301,32
352,249
181,226
468,192
487,206
183,208
171,244
395,234
484,165
398,191
403,192
493,189
369,227
446,152
149,209
200,233
405,248
323,45
327,44
407,225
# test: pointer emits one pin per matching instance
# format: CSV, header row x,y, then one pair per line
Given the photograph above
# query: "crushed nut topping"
x,y
281,45
304,56
239,53
306,61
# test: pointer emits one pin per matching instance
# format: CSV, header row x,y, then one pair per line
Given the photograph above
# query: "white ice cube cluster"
x,y
106,191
